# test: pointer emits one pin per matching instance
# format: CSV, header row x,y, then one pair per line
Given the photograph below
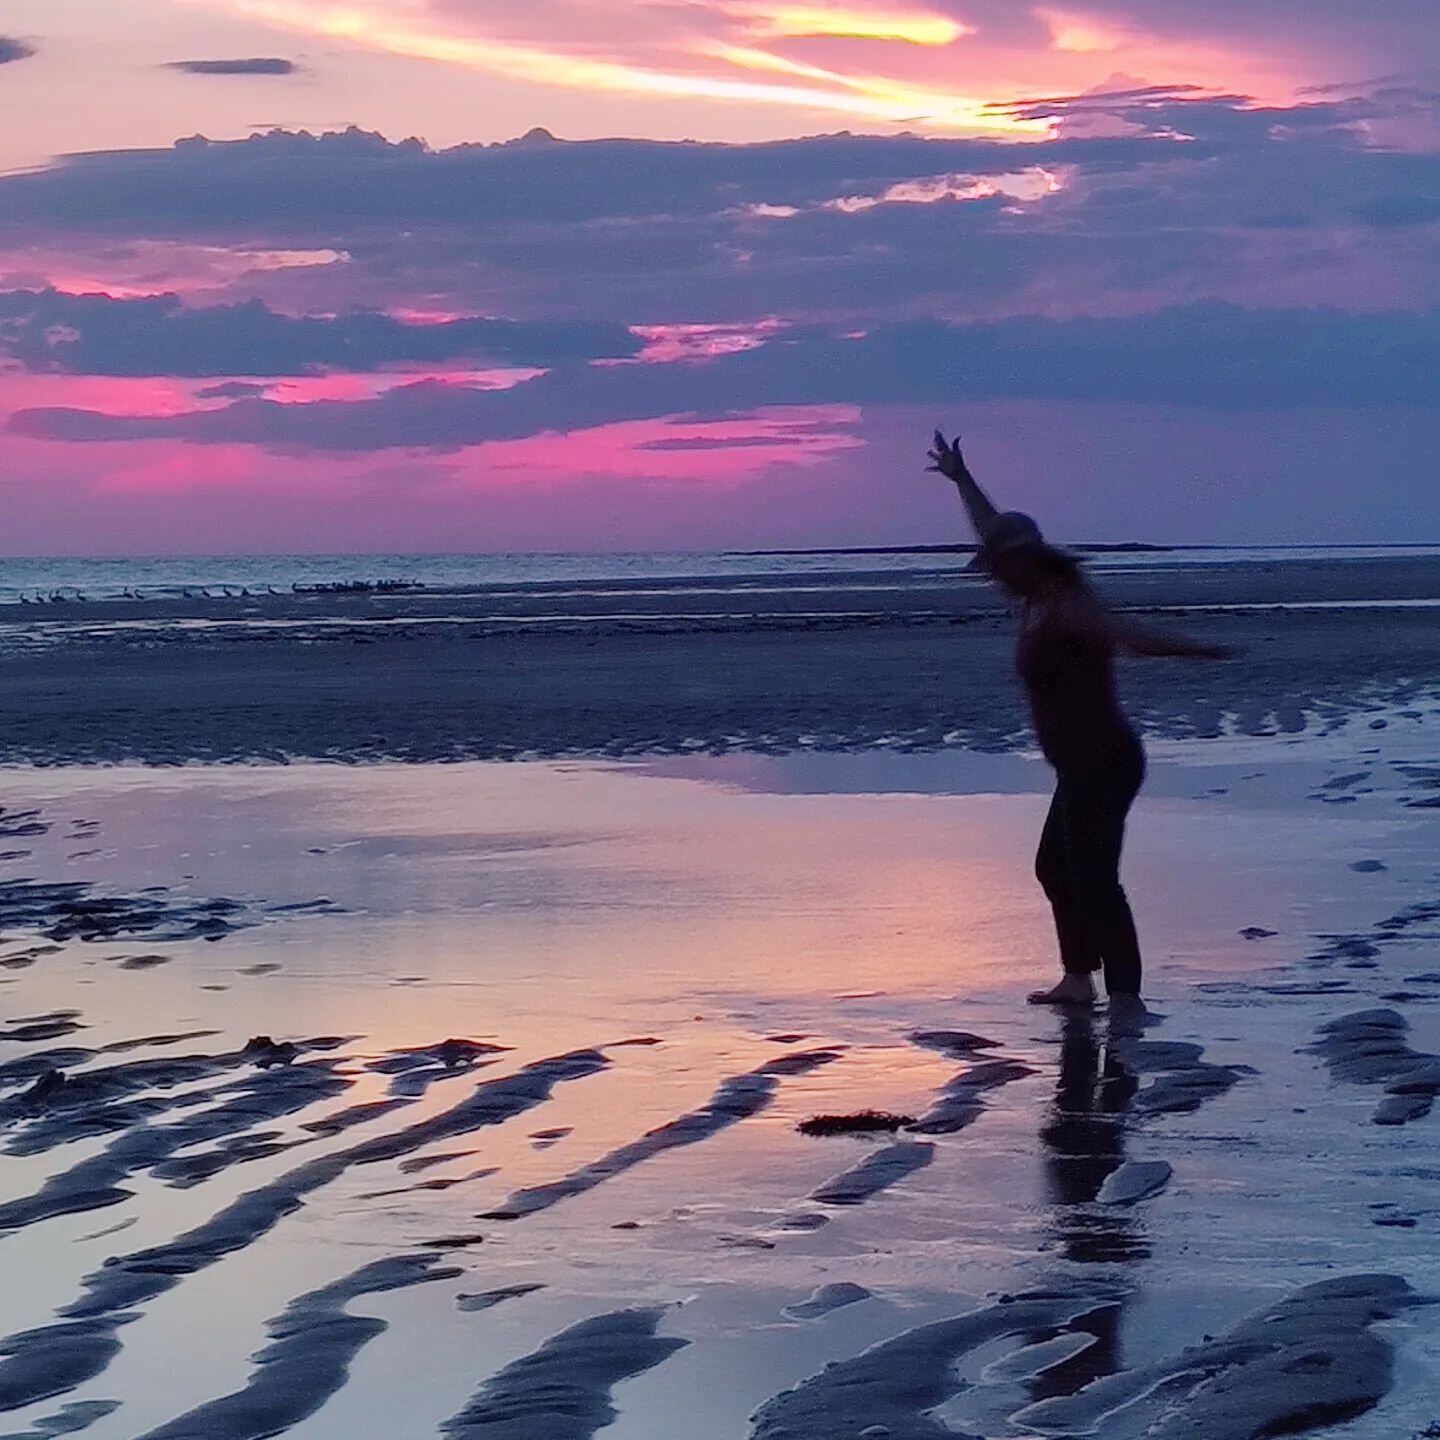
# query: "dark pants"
x,y
1078,865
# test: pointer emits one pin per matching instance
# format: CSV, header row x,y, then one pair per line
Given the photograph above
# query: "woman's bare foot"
x,y
1072,990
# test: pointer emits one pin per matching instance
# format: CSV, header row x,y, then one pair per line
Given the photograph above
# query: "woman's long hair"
x,y
1060,566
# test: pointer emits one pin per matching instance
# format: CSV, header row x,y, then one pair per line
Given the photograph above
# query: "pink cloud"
x,y
665,344
20,389
139,267
1087,470
716,454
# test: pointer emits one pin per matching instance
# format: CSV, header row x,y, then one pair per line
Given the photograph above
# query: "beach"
x,y
367,1085
784,657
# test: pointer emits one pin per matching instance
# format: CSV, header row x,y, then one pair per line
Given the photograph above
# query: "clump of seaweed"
x,y
863,1122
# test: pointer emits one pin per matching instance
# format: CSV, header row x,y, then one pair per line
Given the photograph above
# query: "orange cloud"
x,y
1031,184
1080,35
868,97
780,20
877,96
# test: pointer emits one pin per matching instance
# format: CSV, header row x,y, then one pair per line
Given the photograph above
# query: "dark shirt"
x,y
1069,678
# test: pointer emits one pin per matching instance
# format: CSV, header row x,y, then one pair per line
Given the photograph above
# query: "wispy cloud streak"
x,y
870,97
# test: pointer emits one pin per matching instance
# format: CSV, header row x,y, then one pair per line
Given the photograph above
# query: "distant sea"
x,y
175,577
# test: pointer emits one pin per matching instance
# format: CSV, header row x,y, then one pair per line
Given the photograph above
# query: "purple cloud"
x,y
100,335
231,390
251,65
1200,197
1209,357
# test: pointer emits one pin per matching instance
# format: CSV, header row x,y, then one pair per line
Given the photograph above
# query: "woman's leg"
x,y
1078,954
1095,838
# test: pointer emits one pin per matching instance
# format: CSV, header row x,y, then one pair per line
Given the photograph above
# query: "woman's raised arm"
x,y
947,459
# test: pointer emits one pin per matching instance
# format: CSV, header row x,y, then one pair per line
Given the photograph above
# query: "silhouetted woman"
x,y
1066,657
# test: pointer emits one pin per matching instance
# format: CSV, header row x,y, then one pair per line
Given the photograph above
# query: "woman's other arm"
x,y
1085,612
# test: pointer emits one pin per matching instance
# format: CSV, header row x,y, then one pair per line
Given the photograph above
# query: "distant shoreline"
x,y
1124,547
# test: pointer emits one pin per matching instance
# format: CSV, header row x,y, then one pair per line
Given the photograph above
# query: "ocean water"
x,y
167,578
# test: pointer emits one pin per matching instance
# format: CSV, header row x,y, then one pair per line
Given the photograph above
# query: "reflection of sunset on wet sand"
x,y
716,719
553,1027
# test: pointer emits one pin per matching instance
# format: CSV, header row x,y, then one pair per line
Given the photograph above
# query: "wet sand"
x,y
677,667
465,1100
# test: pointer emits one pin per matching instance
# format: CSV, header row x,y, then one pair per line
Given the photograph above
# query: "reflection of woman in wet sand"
x,y
1066,658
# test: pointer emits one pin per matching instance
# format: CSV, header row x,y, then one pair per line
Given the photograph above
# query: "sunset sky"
x,y
1172,265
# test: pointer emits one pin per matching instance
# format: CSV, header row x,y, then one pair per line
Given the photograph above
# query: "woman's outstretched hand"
x,y
946,457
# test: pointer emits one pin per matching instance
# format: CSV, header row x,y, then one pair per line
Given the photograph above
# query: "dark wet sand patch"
x,y
875,1173
962,1101
802,1221
24,959
1184,1080
488,1299
22,824
432,1186
112,1229
27,1069
1357,950
76,910
61,1107
414,1071
1309,1361
145,1042
889,1389
49,1027
737,1099
312,1345
827,1299
1030,1361
1369,1047
68,1420
53,1359
416,1163
957,1044
450,1054
339,1121
321,905
40,1364
98,1180
562,1390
